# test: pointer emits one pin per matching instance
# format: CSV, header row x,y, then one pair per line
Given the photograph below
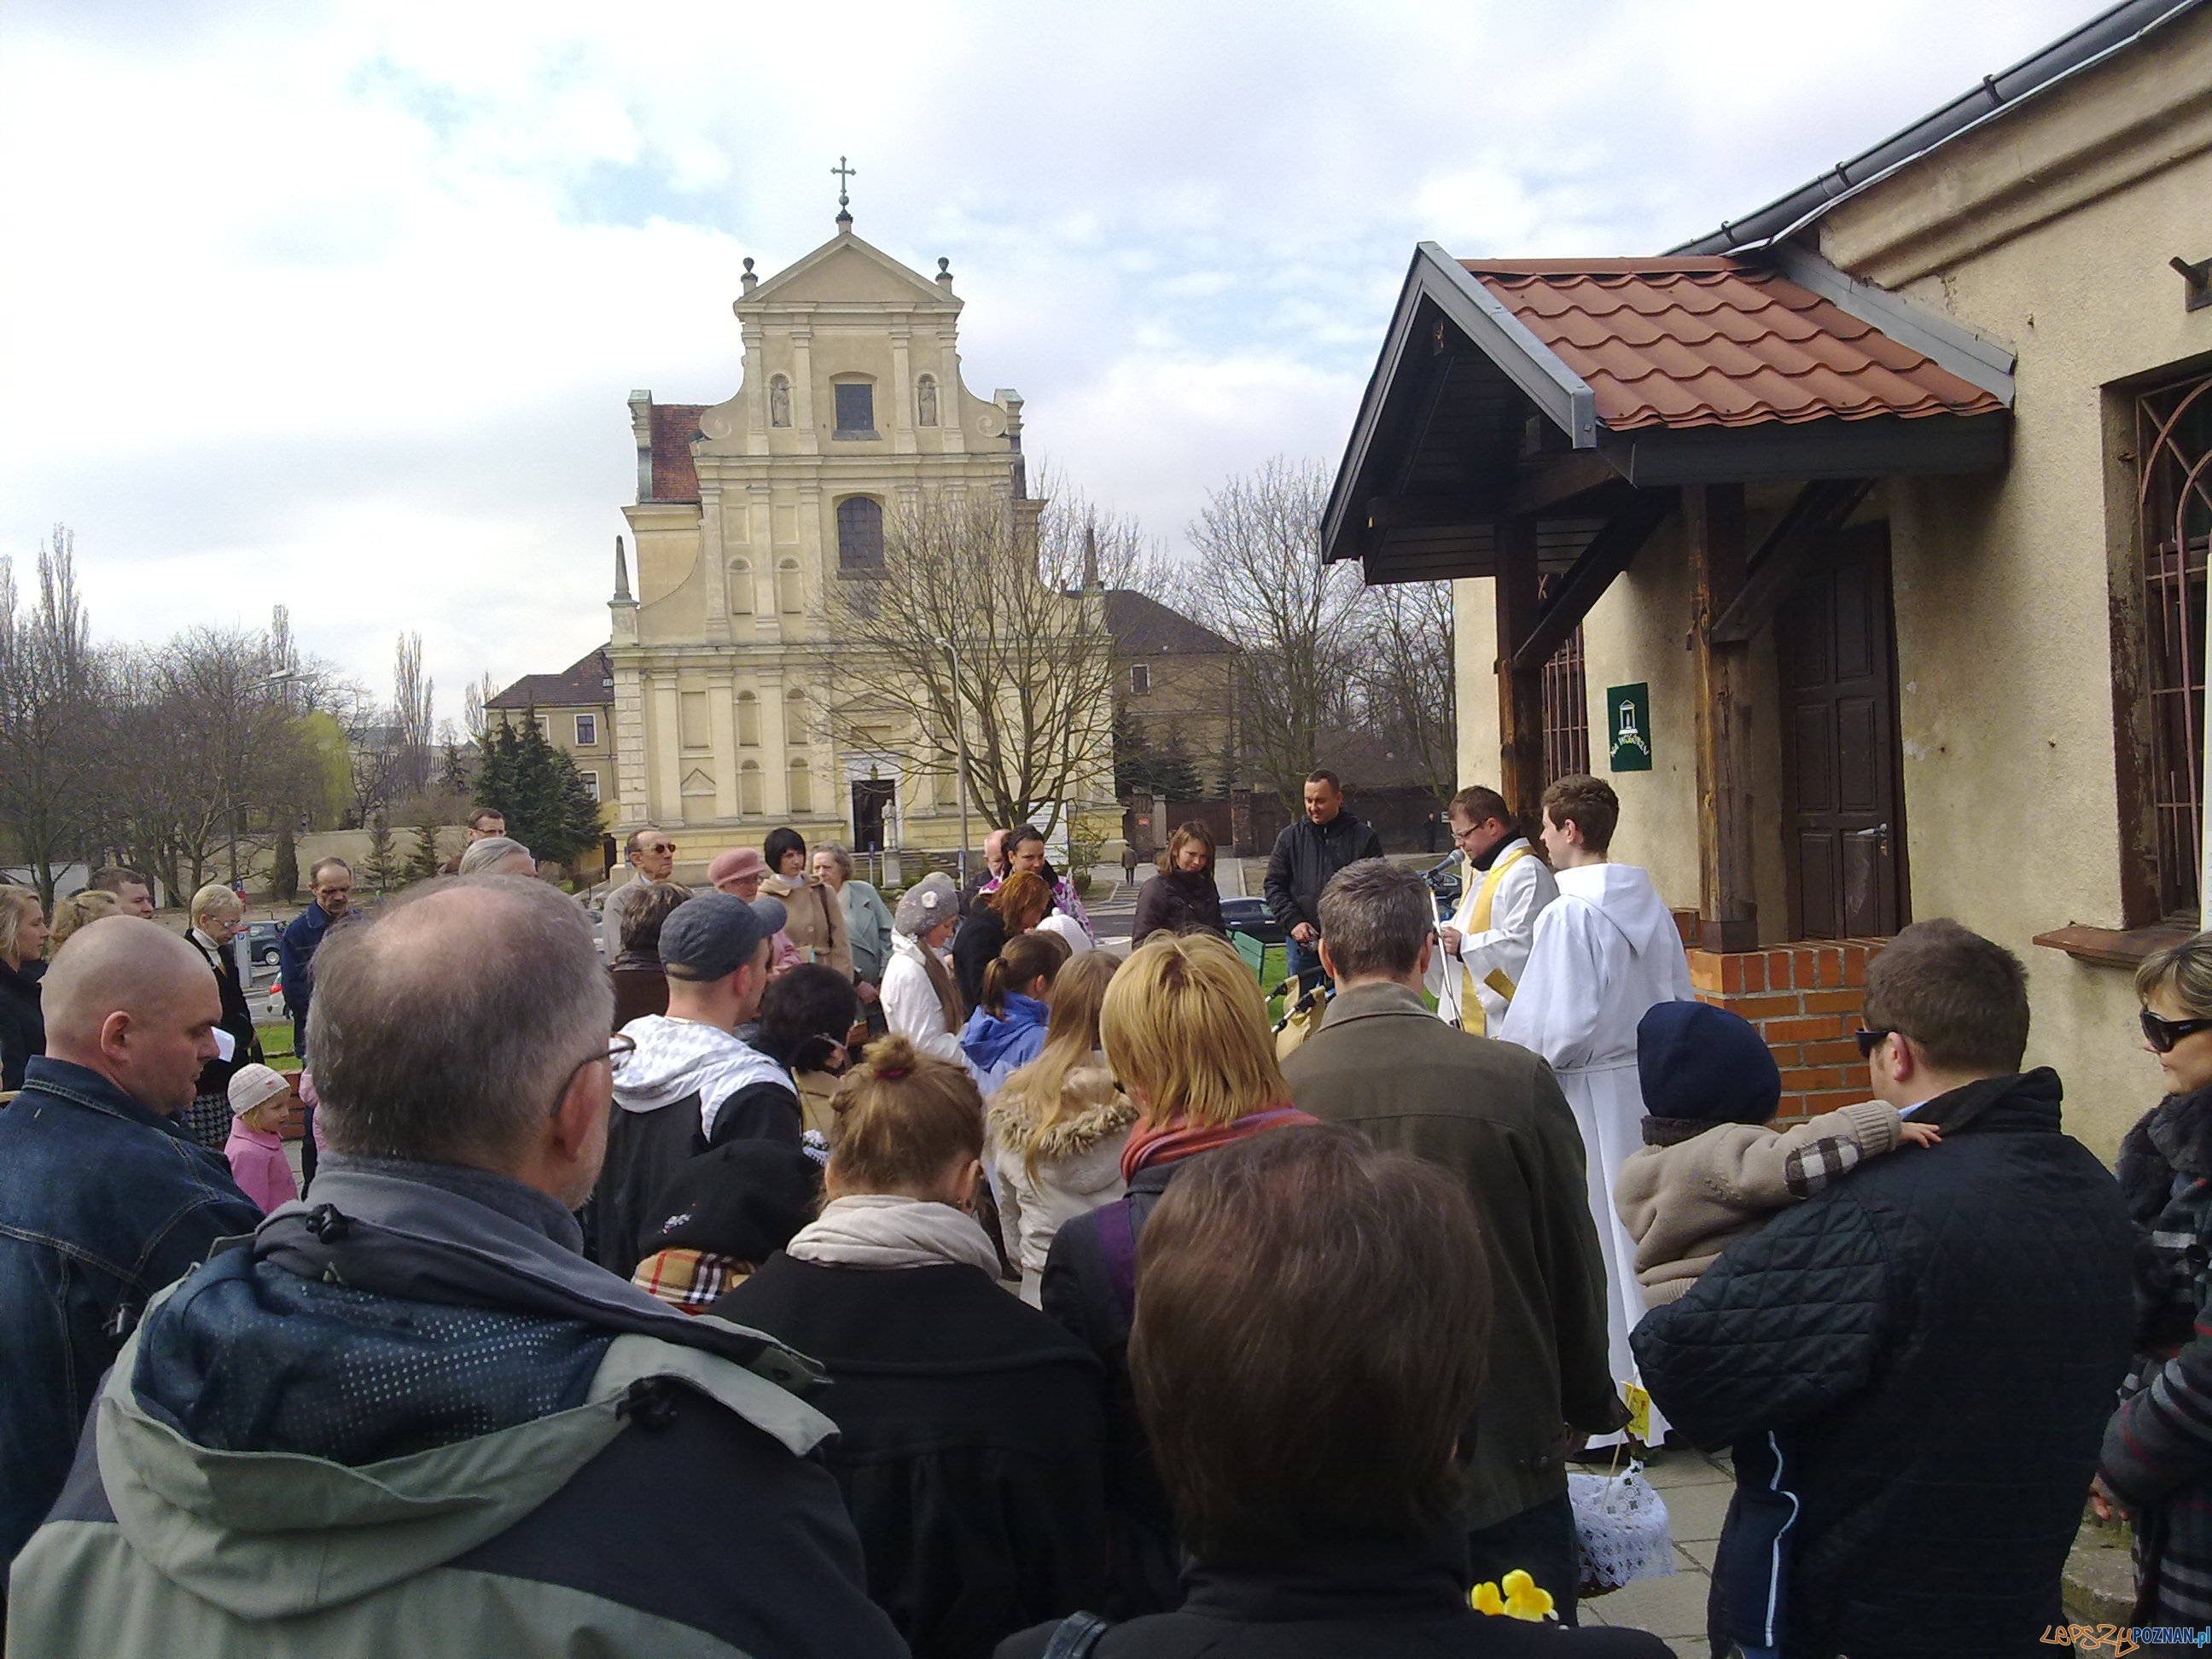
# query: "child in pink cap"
x,y
259,1099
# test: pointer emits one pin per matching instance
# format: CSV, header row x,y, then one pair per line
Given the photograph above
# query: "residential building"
x,y
575,710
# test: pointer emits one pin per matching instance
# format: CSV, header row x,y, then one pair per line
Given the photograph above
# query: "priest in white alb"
x,y
1605,952
1484,950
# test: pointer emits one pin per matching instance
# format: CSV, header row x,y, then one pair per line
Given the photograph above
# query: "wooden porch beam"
x,y
1429,512
1562,481
1520,691
1798,542
1713,533
1611,551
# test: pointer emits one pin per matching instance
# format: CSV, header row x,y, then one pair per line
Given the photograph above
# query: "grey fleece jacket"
x,y
1693,1193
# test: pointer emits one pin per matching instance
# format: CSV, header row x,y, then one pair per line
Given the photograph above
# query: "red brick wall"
x,y
1805,998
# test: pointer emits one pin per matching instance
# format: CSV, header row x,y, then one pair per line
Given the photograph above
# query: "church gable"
x,y
847,271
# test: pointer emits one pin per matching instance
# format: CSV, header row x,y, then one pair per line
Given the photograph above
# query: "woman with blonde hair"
x,y
79,910
1007,1029
970,1428
22,965
1185,1030
2158,1446
1057,1124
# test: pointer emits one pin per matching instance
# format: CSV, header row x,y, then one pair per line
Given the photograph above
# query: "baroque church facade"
x,y
851,408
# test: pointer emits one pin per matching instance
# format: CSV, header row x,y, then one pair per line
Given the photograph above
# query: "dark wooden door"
x,y
1843,802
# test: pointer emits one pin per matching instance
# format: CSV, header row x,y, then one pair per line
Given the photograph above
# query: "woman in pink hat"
x,y
739,870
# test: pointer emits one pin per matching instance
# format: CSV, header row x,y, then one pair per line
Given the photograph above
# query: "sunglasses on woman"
x,y
2163,1033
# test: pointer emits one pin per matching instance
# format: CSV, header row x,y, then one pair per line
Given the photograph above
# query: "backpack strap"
x,y
1117,1237
1076,1635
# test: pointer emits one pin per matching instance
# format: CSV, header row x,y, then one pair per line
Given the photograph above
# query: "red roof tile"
x,y
1709,341
674,426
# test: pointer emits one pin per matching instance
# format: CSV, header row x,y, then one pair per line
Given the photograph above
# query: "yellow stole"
x,y
1475,919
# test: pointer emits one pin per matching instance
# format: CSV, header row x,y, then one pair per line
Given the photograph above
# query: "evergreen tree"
x,y
284,878
455,771
427,859
381,867
539,790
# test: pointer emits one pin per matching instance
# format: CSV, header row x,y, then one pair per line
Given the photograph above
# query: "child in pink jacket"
x,y
259,1099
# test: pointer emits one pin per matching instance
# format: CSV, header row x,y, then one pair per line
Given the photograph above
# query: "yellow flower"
x,y
1525,1598
1486,1599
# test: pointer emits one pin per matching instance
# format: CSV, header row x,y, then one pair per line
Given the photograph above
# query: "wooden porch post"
x,y
1712,524
1520,691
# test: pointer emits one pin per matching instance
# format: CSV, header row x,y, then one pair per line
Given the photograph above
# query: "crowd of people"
x,y
796,1268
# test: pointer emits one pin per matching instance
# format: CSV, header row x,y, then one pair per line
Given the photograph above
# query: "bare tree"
x,y
1403,678
51,713
411,694
1258,580
206,758
474,701
980,643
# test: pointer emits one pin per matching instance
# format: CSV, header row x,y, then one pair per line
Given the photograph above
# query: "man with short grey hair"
x,y
1493,1116
409,1417
497,855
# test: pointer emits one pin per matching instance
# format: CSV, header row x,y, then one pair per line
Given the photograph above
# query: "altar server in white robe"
x,y
1605,952
1484,948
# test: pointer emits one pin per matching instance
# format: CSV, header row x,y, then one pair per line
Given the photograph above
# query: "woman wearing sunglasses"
x,y
2157,1460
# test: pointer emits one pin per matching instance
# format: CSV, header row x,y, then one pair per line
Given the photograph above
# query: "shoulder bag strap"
x,y
1077,1636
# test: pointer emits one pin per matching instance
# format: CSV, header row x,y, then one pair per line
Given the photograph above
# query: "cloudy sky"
x,y
336,306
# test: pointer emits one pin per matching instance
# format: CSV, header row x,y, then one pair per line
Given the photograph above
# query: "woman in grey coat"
x,y
868,923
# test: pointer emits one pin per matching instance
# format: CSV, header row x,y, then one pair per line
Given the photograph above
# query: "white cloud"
x,y
337,305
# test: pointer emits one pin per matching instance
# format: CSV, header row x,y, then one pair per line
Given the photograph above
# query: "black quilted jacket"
x,y
1931,1347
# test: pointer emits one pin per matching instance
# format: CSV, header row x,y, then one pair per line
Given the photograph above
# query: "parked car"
x,y
1251,915
261,939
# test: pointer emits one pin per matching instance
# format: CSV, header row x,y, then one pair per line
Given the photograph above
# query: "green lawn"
x,y
275,1039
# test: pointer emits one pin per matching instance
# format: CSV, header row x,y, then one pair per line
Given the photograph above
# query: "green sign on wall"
x,y
1628,719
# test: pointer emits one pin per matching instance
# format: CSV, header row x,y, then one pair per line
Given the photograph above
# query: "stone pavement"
x,y
1696,1488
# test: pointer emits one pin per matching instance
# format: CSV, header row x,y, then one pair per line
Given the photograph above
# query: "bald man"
x,y
103,1198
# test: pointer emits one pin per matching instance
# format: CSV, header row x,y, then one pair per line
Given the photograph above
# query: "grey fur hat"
x,y
927,902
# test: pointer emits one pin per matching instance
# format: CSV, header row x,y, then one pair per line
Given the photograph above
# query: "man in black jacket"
x,y
1916,1365
1307,854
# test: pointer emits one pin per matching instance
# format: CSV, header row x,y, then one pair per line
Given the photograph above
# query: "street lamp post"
x,y
960,743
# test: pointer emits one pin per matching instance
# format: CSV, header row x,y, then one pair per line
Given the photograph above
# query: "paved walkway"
x,y
1696,1488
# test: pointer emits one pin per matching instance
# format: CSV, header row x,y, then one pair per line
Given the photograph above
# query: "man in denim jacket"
x,y
103,1198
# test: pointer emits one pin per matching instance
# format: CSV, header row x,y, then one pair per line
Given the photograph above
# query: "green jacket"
x,y
499,1478
1492,1114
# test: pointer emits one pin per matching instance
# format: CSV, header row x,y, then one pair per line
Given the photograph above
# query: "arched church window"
x,y
751,799
747,719
741,587
802,789
925,401
790,593
778,401
859,534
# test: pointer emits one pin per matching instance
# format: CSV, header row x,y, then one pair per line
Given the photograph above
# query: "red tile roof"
x,y
674,426
1706,341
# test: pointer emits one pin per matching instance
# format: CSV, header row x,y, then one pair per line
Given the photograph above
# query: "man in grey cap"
x,y
690,1084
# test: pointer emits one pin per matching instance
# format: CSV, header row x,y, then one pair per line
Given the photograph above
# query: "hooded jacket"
x,y
1574,1022
432,1427
1077,1162
1922,1359
686,1087
995,1045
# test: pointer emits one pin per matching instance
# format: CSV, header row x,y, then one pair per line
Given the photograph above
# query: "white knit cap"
x,y
250,1086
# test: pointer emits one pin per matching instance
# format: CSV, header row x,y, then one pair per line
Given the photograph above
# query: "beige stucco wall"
x,y
2049,232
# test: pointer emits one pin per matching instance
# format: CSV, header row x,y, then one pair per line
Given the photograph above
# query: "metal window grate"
x,y
1566,710
2173,516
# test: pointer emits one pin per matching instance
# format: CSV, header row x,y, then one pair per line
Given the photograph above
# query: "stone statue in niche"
x,y
778,401
925,402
